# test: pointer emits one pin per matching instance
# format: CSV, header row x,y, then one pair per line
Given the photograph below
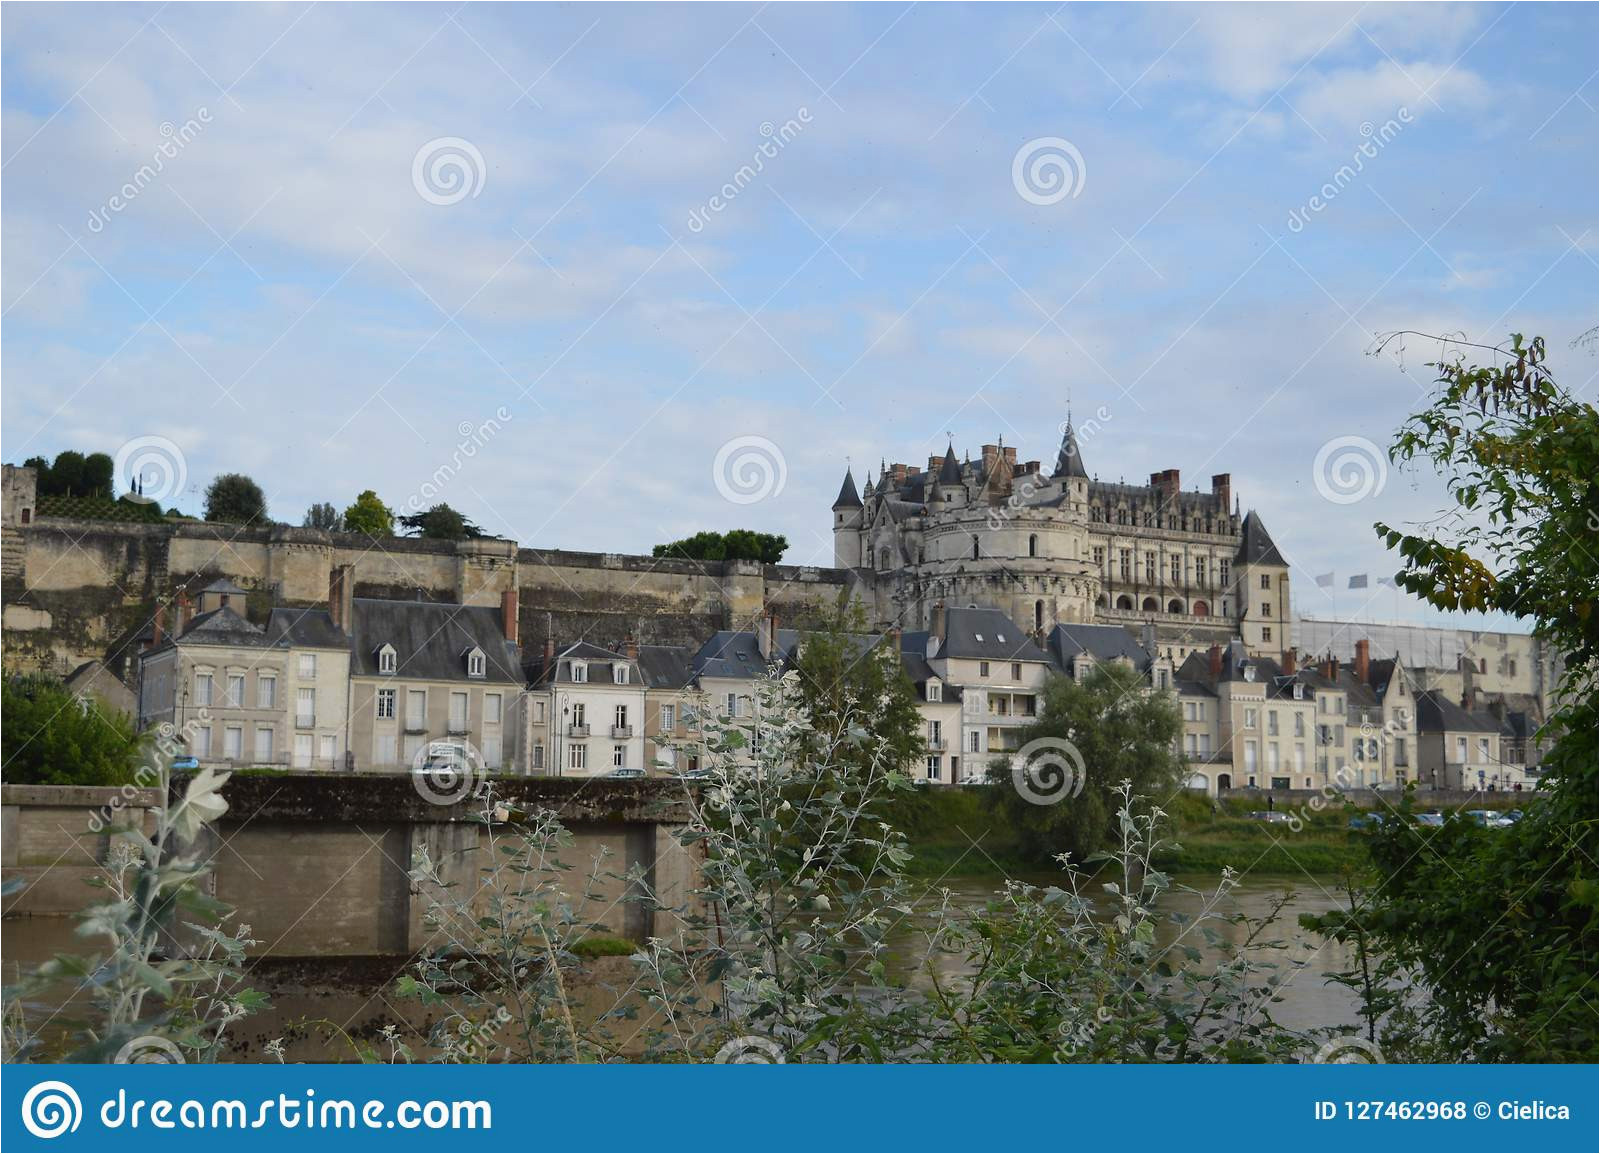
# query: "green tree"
x,y
1499,926
235,499
66,474
369,515
440,523
323,516
734,545
1062,796
98,476
51,737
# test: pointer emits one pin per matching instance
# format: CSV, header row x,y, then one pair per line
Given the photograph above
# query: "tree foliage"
x,y
235,499
734,545
1499,926
73,474
51,737
369,515
440,523
323,516
1119,730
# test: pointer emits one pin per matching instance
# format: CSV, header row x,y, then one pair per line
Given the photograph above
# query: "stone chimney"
x,y
1215,656
508,614
1330,668
341,589
934,464
158,626
549,652
1166,482
1222,489
936,624
630,648
1147,637
185,612
991,453
1290,662
767,636
1362,662
1011,456
898,472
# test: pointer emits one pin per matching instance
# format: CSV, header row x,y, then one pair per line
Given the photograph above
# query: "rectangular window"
x,y
458,711
974,742
1400,751
266,691
621,716
416,709
236,690
383,750
538,757
733,705
580,673
1272,757
1461,749
1250,756
1266,634
202,689
933,769
619,756
1177,569
412,746
385,703
325,749
983,669
1016,671
1099,558
1150,568
491,709
264,745
577,756
1125,563
1222,574
935,733
1188,711
1249,719
202,741
619,674
1272,722
302,750
1191,744
1266,609
1483,749
308,666
1266,581
305,708
669,718
580,714
233,742
1299,724
538,711
491,751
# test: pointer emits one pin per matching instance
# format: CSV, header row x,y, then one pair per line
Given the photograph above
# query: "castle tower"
x,y
1261,590
847,525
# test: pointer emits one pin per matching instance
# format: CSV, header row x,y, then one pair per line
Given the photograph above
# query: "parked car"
x,y
626,774
185,763
692,775
1433,820
1368,820
1488,818
1512,816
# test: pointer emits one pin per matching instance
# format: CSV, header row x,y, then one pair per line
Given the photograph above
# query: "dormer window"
x,y
935,691
475,662
386,659
1299,692
580,671
1249,672
978,636
619,674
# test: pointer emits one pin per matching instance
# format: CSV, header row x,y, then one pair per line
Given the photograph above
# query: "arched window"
x,y
1224,781
1124,602
883,558
1201,609
974,546
1151,605
1033,544
1174,606
1038,616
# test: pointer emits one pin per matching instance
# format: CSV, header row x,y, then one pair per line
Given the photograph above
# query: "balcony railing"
x,y
305,720
937,744
577,731
622,731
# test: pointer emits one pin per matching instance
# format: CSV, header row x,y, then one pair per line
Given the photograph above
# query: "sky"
x,y
604,276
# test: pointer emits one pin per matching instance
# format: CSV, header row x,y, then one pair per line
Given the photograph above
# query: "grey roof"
x,y
1436,713
305,629
222,627
987,634
601,664
666,666
913,658
430,640
1264,671
950,471
223,585
1101,642
1255,544
1069,461
1193,688
733,653
848,498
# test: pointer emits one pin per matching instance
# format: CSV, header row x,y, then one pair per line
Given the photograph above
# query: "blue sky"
x,y
281,299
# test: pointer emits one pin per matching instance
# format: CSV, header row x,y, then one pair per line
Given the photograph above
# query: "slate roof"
x,y
1436,713
430,639
733,653
666,666
913,656
950,471
1069,461
1255,544
601,662
305,629
223,627
848,498
989,635
223,585
1101,642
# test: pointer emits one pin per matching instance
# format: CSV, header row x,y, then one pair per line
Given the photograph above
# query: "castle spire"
x,y
1069,461
848,497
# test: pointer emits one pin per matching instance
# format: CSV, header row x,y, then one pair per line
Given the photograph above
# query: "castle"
x,y
1064,548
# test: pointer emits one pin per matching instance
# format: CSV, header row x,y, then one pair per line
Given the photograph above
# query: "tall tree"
x,y
98,476
734,545
1500,925
1090,737
440,523
53,738
369,515
235,499
323,516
